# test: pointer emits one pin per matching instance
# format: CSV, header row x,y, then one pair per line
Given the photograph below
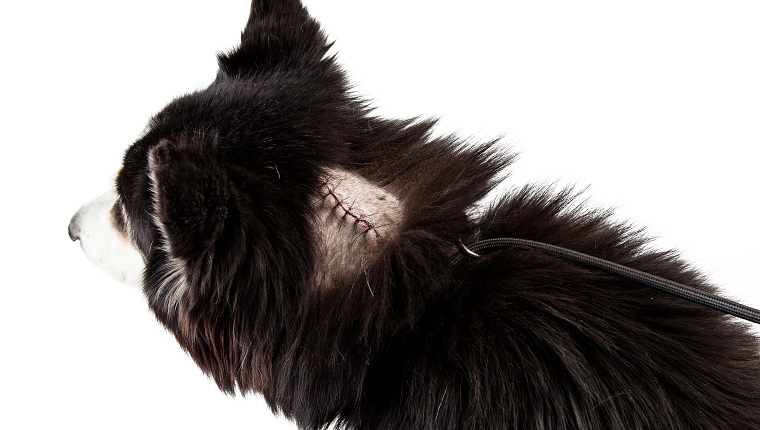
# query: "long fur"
x,y
220,198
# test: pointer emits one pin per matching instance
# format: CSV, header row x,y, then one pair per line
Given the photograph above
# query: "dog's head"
x,y
275,184
215,205
243,199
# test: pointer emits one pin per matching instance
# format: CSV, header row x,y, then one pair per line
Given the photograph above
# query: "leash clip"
x,y
467,250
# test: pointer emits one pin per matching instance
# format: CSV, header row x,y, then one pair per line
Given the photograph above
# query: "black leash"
x,y
656,282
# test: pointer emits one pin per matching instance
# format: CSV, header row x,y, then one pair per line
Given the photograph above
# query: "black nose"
x,y
74,228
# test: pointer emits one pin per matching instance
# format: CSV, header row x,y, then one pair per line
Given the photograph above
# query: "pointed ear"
x,y
279,33
191,197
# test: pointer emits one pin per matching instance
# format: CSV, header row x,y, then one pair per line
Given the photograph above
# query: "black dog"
x,y
300,247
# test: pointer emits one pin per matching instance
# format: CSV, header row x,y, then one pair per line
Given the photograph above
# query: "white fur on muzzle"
x,y
103,243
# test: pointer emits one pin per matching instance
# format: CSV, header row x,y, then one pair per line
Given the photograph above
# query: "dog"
x,y
300,247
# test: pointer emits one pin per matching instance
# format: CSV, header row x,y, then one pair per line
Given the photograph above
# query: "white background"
x,y
655,106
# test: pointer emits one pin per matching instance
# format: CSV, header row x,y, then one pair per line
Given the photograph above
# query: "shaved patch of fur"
x,y
354,218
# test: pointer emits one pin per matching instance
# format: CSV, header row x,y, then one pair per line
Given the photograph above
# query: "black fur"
x,y
223,185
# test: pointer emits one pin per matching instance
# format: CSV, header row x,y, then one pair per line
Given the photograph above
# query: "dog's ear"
x,y
191,197
279,33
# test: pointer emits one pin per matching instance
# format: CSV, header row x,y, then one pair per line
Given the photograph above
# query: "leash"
x,y
665,285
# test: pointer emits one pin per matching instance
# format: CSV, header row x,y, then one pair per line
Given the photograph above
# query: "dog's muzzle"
x,y
103,243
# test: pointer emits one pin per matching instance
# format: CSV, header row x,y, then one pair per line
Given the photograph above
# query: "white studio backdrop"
x,y
652,105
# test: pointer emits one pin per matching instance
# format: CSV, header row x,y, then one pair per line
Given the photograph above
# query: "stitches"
x,y
359,217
